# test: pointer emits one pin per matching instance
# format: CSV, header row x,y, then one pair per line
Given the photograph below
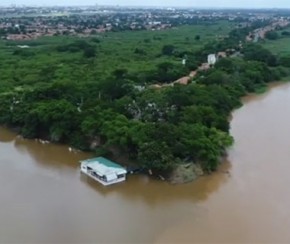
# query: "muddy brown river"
x,y
45,199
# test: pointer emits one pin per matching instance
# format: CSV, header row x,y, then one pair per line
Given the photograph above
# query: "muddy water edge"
x,y
45,199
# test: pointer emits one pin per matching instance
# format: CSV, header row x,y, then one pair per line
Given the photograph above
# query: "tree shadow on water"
x,y
155,192
50,155
135,188
6,135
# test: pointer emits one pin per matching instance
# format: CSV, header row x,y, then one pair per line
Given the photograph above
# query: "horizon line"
x,y
146,6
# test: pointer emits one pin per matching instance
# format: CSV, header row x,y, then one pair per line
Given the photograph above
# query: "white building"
x,y
103,170
211,59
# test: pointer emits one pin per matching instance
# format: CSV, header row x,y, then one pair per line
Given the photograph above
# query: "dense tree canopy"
x,y
66,97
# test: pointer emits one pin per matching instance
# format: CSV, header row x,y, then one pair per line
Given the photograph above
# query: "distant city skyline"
x,y
172,3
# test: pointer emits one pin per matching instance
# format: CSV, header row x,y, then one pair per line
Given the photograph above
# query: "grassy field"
x,y
281,46
43,63
117,50
121,46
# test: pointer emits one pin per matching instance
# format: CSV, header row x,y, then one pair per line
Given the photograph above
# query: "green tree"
x,y
156,156
197,37
89,52
272,35
168,50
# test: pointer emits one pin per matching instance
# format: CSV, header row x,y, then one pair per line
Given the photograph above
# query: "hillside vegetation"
x,y
95,94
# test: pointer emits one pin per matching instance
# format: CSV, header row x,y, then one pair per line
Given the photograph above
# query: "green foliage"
x,y
258,53
197,37
66,94
285,33
203,143
272,35
158,156
285,61
279,47
168,50
89,52
75,46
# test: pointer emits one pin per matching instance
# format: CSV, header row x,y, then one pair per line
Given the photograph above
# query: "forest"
x,y
95,93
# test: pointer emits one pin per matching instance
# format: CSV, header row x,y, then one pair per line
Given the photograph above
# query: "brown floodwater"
x,y
45,199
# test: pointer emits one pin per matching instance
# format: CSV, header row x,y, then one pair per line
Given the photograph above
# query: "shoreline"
x,y
184,172
196,169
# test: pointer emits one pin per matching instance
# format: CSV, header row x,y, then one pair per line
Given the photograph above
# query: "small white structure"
x,y
211,59
23,46
103,170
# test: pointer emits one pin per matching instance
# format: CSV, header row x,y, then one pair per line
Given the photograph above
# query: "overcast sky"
x,y
191,3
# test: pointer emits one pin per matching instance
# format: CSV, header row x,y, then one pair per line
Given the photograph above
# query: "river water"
x,y
45,199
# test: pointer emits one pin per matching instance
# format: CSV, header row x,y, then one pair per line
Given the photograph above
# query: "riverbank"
x,y
158,129
189,172
45,199
252,202
183,172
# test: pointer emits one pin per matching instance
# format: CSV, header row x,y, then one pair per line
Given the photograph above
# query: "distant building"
x,y
211,59
222,55
23,46
204,66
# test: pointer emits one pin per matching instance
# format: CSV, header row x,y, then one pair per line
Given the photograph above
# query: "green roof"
x,y
103,161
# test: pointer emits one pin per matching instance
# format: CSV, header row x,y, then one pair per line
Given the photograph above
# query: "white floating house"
x,y
103,170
